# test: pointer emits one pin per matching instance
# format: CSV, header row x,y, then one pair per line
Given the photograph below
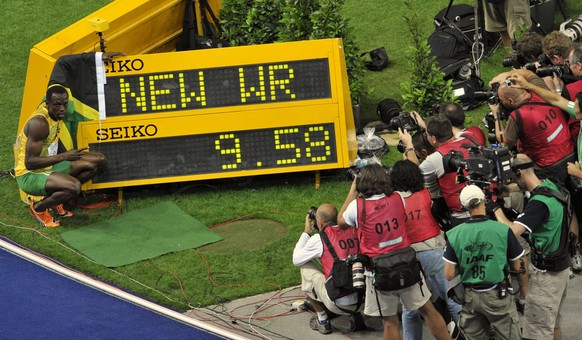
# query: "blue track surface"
x,y
36,303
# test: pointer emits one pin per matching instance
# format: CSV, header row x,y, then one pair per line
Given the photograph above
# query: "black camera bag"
x,y
396,270
378,59
339,283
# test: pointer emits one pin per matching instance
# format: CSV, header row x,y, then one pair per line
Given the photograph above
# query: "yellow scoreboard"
x,y
226,112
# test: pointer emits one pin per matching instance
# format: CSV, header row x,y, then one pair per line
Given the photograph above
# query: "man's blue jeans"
x,y
434,273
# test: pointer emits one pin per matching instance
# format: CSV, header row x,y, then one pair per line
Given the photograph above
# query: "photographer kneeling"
x,y
330,243
546,217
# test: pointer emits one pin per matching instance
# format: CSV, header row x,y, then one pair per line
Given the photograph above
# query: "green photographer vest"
x,y
547,237
481,248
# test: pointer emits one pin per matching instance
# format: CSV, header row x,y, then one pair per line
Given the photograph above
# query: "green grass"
x,y
284,198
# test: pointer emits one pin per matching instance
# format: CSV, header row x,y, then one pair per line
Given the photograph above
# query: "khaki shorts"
x,y
485,309
544,303
34,183
508,16
412,298
313,285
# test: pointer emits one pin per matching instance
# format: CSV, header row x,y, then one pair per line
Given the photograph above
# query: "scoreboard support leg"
x,y
317,179
120,199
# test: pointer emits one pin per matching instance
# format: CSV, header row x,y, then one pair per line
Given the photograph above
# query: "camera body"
x,y
559,70
392,115
403,121
485,167
312,215
356,170
516,61
491,96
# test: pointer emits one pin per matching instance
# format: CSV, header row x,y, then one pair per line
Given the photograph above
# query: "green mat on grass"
x,y
139,235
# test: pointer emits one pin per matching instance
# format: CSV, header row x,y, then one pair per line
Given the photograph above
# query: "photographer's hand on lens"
x,y
108,56
558,83
494,109
309,225
405,137
574,169
519,81
418,119
491,206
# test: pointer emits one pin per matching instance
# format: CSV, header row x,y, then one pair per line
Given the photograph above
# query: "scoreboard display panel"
x,y
226,112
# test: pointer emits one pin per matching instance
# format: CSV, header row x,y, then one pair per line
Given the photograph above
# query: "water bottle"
x,y
361,163
465,72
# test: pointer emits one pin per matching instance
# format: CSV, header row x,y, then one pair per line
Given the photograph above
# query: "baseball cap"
x,y
470,193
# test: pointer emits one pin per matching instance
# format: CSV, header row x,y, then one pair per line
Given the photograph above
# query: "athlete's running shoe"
x,y
44,218
61,212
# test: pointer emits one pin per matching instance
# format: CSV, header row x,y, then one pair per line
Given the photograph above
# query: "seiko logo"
x,y
127,132
120,66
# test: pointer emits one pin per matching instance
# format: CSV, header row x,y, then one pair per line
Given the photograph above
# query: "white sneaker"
x,y
454,331
576,264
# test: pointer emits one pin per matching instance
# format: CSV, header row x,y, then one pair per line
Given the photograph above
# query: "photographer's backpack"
x,y
560,259
451,43
339,283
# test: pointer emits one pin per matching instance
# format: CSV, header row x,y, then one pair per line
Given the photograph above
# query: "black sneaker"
x,y
323,328
357,322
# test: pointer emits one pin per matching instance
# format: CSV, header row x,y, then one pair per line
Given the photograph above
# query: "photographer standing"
x,y
309,247
456,115
425,235
506,17
379,215
478,250
546,218
556,46
439,133
540,128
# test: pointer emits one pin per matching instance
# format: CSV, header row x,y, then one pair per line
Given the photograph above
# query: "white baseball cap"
x,y
471,195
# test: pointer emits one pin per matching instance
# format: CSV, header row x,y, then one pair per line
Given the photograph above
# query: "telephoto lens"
x,y
358,275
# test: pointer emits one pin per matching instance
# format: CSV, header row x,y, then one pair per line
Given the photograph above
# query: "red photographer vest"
x,y
344,242
543,132
381,225
475,133
450,189
574,124
420,224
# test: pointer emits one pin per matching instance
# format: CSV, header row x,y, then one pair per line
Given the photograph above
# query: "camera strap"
x,y
325,239
469,137
563,197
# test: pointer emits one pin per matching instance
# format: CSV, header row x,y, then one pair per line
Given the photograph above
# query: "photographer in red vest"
x,y
439,133
537,129
310,247
379,215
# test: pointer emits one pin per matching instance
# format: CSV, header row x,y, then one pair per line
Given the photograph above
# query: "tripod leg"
x,y
562,7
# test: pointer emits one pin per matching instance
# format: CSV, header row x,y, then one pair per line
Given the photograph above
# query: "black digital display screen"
x,y
217,87
276,147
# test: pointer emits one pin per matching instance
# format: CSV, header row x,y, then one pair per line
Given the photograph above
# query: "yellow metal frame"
x,y
149,30
337,109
